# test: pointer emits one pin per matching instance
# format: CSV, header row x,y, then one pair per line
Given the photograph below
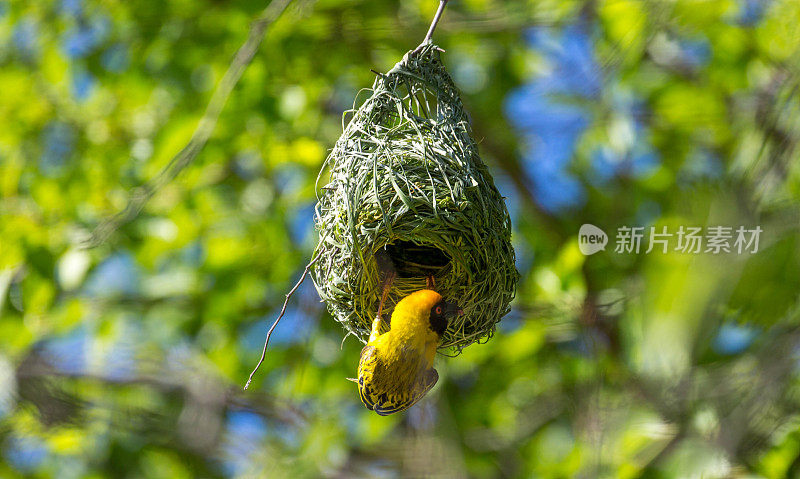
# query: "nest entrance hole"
x,y
412,260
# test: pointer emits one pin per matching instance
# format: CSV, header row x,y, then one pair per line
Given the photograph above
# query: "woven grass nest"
x,y
406,177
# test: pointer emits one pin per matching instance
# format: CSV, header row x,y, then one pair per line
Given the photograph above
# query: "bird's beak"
x,y
452,309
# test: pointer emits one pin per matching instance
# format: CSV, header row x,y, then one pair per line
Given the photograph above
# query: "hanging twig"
x,y
141,195
436,18
435,21
283,310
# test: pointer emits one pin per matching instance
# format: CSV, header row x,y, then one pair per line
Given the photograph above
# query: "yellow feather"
x,y
396,368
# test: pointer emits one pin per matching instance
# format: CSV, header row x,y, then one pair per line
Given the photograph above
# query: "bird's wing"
x,y
401,402
366,368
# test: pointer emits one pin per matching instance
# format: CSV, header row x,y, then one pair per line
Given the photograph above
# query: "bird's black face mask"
x,y
441,312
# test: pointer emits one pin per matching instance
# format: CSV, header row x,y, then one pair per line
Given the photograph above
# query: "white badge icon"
x,y
591,239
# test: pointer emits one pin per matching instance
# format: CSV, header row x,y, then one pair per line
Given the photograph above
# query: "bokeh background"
x,y
127,359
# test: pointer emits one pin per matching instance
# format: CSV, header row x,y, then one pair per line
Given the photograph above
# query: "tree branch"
x,y
141,195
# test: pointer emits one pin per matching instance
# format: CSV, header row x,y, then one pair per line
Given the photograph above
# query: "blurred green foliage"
x,y
127,360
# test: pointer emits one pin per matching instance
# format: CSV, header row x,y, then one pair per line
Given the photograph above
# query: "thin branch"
x,y
283,310
436,18
35,367
647,469
141,195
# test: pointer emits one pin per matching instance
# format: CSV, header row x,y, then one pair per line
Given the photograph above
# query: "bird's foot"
x,y
377,322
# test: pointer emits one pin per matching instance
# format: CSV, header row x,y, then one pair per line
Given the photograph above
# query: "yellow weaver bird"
x,y
396,367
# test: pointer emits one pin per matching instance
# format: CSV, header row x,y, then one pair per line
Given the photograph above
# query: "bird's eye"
x,y
438,310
